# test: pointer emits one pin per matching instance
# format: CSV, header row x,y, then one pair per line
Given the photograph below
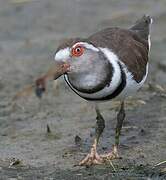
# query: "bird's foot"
x,y
93,158
111,155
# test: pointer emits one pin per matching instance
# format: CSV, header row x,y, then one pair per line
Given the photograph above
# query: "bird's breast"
x,y
91,80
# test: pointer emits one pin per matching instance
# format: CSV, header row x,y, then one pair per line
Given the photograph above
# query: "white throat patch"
x,y
64,54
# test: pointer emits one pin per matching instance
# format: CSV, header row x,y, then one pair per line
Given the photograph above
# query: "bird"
x,y
109,64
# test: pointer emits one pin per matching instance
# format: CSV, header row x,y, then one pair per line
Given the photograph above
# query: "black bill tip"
x,y
39,91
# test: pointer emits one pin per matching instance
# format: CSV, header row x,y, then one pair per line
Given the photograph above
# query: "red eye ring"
x,y
77,51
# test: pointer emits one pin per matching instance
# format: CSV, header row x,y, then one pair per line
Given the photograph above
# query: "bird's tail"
x,y
142,26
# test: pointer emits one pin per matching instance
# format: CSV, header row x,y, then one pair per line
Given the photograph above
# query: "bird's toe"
x,y
91,159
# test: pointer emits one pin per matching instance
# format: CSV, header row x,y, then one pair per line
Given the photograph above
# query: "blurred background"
x,y
30,31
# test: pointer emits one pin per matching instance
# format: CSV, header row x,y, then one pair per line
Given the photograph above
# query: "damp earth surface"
x,y
46,138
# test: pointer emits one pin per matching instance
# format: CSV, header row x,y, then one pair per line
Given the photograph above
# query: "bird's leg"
x,y
120,117
93,157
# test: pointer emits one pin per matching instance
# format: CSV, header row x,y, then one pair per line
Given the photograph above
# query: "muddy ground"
x,y
30,31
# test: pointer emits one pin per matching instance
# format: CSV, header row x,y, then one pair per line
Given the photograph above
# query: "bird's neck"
x,y
113,88
91,74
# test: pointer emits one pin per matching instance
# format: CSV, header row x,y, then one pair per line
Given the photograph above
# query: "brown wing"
x,y
127,45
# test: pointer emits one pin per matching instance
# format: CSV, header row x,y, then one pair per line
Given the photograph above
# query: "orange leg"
x,y
93,157
120,118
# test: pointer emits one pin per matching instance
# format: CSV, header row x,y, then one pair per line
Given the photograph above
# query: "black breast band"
x,y
117,91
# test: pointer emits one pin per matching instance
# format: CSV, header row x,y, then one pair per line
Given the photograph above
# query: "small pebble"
x,y
78,140
142,132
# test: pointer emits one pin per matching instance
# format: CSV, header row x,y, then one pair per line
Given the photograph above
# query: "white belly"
x,y
131,85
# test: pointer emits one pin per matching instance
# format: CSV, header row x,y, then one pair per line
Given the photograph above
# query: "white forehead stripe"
x,y
62,54
87,45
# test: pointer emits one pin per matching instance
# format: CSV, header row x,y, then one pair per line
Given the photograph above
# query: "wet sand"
x,y
30,32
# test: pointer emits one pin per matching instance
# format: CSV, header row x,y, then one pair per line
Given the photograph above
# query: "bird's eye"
x,y
77,51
